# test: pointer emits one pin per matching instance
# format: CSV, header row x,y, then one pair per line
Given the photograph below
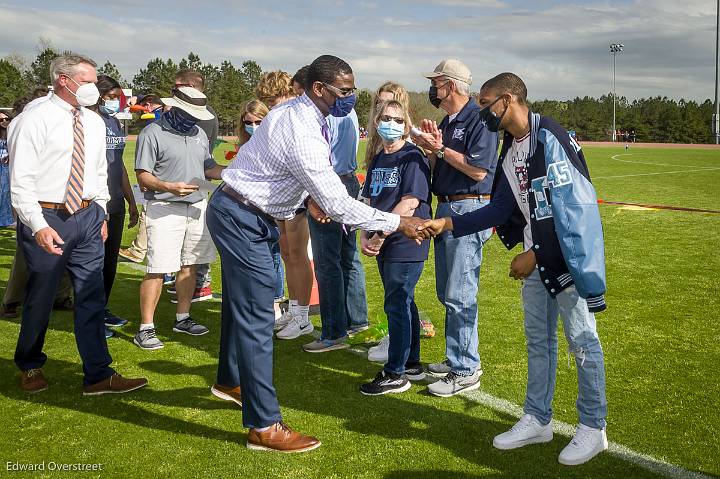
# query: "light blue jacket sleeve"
x,y
577,220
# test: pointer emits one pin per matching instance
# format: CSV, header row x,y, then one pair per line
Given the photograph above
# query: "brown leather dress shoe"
x,y
280,438
115,384
227,393
33,381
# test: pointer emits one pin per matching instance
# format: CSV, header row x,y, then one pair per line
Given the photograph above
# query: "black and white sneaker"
x,y
385,383
454,383
414,371
188,326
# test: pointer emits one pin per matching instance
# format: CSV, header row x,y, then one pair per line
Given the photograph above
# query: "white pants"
x,y
177,235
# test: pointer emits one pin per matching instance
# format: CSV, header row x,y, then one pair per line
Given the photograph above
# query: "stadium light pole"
x,y
615,48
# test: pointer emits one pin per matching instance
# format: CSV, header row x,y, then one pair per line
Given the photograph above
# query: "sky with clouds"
x,y
560,48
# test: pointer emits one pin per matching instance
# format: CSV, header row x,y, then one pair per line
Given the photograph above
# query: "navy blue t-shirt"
x,y
114,147
466,134
403,173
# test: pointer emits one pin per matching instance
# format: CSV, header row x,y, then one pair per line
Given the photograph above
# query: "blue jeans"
x,y
279,272
399,280
541,312
457,274
339,274
202,276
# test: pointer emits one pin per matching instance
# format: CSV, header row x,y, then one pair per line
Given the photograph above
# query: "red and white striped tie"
x,y
73,198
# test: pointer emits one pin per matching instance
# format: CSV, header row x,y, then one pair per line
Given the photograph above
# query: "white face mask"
x,y
87,94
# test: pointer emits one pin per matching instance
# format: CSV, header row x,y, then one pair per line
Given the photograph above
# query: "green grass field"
x,y
660,335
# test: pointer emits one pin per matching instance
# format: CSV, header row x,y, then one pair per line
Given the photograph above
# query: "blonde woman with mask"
x,y
385,92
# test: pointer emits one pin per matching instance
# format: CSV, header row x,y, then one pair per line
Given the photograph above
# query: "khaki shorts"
x,y
177,236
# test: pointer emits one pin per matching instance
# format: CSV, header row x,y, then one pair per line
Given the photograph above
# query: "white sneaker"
x,y
379,353
587,443
527,430
282,321
295,328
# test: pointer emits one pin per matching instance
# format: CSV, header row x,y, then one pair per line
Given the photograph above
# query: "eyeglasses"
x,y
4,119
248,122
180,85
397,120
340,91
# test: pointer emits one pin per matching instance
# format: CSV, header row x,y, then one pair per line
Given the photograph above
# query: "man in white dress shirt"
x,y
283,168
58,177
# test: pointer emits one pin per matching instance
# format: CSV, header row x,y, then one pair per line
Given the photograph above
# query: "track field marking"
x,y
615,157
646,461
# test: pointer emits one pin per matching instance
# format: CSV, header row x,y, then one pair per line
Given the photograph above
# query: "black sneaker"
x,y
188,326
385,383
112,321
414,371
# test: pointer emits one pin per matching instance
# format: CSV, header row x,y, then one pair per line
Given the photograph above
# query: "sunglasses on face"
x,y
248,122
4,119
397,120
340,91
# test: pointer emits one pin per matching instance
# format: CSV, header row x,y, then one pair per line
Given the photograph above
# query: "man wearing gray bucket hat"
x,y
170,154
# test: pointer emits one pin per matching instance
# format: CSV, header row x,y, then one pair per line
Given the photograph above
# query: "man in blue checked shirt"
x,y
283,169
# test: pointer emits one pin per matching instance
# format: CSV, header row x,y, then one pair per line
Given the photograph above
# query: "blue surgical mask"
x,y
250,129
390,130
343,106
110,107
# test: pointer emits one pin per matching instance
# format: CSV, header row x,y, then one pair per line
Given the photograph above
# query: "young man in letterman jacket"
x,y
544,199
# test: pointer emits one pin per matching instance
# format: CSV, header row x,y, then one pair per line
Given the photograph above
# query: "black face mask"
x,y
492,121
432,95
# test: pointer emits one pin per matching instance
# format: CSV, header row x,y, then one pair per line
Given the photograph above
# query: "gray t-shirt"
x,y
173,156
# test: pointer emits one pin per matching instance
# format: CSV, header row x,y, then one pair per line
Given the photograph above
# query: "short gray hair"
x,y
67,65
462,87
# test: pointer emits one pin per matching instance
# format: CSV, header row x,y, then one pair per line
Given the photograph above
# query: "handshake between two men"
x,y
417,229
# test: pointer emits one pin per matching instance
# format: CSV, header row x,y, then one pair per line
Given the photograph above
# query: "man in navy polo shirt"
x,y
463,154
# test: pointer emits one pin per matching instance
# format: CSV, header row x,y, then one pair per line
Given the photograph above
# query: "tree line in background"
x,y
657,119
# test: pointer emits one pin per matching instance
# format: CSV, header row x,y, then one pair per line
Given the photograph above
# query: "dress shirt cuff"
x,y
37,222
393,223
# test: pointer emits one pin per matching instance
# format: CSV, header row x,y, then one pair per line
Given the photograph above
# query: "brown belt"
x,y
449,198
246,203
61,206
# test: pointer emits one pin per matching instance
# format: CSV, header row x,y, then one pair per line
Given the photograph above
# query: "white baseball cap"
x,y
191,100
452,68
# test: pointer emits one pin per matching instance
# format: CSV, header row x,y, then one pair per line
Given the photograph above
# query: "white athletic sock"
x,y
179,317
278,311
143,327
262,429
292,307
303,312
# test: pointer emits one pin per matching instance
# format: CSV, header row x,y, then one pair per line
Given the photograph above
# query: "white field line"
x,y
615,157
652,464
